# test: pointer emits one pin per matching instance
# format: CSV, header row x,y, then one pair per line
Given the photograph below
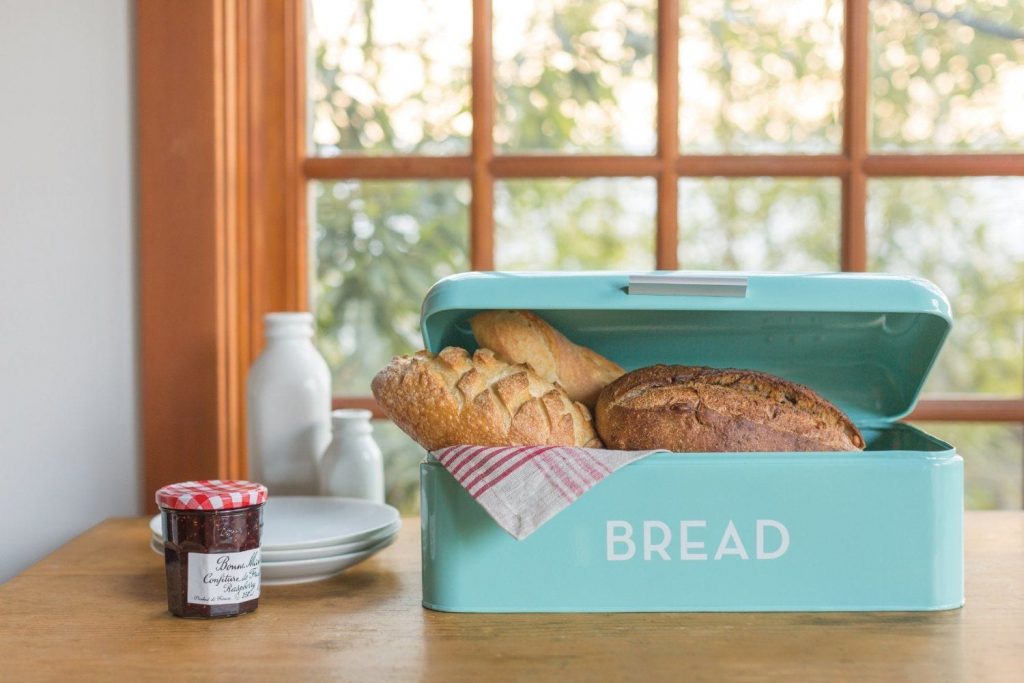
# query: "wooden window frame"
x,y
222,200
222,233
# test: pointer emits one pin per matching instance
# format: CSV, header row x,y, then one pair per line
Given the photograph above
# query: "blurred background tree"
x,y
756,76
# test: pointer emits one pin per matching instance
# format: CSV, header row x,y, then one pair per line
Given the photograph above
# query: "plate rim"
x,y
367,552
375,547
311,576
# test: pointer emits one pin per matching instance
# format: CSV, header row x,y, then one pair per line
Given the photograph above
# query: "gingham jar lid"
x,y
211,494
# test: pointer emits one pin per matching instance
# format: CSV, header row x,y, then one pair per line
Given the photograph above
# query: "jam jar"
x,y
212,534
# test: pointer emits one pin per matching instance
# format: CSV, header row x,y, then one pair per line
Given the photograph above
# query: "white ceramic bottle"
x,y
289,401
352,465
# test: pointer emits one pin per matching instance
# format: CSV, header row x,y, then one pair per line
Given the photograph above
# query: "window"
x,y
795,135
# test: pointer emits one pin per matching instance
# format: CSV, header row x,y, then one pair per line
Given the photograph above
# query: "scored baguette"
x,y
524,337
700,409
452,399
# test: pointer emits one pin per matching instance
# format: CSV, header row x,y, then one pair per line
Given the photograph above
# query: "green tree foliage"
x,y
390,76
947,75
565,72
591,224
379,248
761,77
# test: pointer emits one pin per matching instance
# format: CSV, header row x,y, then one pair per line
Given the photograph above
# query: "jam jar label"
x,y
223,578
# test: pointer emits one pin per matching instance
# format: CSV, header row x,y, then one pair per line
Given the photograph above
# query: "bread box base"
x,y
875,530
880,529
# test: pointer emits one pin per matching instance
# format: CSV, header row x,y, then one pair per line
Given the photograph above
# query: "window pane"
x,y
379,246
759,224
967,236
947,74
388,76
402,458
761,76
993,459
575,76
600,223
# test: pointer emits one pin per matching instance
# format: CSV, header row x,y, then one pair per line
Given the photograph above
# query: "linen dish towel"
x,y
522,487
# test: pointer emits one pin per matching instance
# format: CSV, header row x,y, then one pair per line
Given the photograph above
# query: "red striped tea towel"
x,y
524,486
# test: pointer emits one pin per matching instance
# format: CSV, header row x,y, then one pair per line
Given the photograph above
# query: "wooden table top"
x,y
96,608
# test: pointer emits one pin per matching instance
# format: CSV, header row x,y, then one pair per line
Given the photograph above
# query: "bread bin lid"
x,y
866,342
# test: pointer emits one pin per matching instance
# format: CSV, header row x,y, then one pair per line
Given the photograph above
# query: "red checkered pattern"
x,y
211,494
522,487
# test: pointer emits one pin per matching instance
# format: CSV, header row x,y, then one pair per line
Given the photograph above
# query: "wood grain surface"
x,y
95,609
222,234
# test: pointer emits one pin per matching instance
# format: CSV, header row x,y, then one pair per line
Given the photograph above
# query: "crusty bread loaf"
x,y
523,337
452,399
698,409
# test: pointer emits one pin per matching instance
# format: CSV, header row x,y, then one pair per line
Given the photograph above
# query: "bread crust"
x,y
700,409
524,337
452,399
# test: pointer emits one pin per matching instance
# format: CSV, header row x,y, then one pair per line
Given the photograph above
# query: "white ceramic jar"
x,y
289,401
352,465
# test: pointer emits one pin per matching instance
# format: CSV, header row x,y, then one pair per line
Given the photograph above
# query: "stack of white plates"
x,y
309,538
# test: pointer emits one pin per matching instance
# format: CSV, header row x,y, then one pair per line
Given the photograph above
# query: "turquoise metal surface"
x,y
880,530
873,530
865,342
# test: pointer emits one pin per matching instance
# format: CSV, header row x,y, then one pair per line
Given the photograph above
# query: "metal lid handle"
x,y
688,285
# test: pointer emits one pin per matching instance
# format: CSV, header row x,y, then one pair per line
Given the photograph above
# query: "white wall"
x,y
68,435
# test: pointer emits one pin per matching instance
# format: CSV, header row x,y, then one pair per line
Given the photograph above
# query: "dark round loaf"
x,y
699,409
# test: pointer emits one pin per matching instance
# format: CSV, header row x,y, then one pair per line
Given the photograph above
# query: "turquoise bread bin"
x,y
880,529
